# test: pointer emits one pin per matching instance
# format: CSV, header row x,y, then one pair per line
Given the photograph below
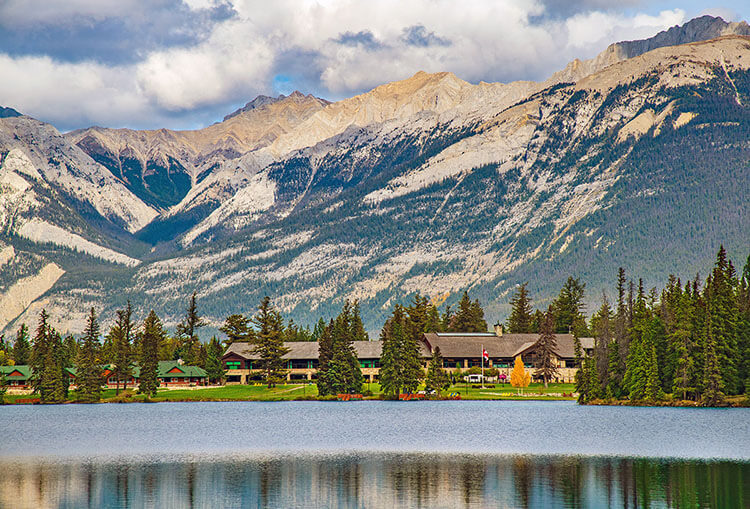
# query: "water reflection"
x,y
398,480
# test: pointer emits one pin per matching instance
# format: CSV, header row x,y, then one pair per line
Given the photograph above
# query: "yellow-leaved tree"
x,y
519,378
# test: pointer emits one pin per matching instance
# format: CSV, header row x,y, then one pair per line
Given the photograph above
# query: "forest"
x,y
688,342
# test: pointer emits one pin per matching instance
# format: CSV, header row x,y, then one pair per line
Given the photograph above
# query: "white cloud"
x,y
238,57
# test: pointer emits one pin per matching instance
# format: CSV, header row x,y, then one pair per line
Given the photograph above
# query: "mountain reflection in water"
x,y
377,480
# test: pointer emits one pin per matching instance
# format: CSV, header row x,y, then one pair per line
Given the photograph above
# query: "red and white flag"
x,y
485,355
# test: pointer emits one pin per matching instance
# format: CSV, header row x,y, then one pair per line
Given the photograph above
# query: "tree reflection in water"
x,y
378,480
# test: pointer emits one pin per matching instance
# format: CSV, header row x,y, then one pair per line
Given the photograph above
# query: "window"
x,y
234,364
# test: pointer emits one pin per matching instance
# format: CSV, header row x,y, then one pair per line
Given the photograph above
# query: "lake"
x,y
373,454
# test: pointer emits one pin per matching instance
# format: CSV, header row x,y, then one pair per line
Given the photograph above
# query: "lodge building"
x,y
169,373
459,351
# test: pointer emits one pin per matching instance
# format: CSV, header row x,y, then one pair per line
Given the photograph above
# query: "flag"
x,y
485,355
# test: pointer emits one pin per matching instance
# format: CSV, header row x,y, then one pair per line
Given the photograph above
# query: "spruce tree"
x,y
437,379
121,338
214,369
57,364
468,318
41,359
568,308
521,317
713,393
151,337
722,305
545,350
3,387
325,355
89,371
358,332
401,367
340,371
269,342
187,333
21,348
237,329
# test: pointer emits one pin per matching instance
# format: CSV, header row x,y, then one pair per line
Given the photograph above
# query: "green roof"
x,y
24,369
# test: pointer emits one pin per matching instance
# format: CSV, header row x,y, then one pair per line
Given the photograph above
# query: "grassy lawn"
x,y
302,391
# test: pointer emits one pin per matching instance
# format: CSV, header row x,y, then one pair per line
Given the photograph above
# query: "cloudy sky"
x,y
186,63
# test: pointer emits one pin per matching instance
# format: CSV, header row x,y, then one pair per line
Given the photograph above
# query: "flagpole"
x,y
482,366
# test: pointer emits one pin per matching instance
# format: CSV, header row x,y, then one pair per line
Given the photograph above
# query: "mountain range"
x,y
638,158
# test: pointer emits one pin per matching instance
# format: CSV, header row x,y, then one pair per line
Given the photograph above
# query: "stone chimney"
x,y
498,330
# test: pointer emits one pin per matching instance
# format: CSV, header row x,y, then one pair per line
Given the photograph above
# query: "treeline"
x,y
691,341
128,345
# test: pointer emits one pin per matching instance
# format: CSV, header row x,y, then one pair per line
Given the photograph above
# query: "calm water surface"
x,y
373,454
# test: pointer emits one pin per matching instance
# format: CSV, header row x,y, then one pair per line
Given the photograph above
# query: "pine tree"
x,y
712,390
722,305
269,343
121,338
614,373
602,328
59,379
21,348
568,308
89,371
151,337
520,320
214,369
358,332
187,333
339,370
325,355
237,329
3,387
743,329
401,367
41,359
545,350
468,318
437,379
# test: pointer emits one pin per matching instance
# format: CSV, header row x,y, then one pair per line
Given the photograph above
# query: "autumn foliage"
x,y
519,378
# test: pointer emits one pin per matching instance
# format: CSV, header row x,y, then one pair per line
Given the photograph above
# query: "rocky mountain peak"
x,y
264,100
697,29
9,112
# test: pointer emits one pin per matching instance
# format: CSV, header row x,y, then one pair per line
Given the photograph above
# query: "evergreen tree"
x,y
121,338
89,371
3,387
214,369
358,332
521,317
151,337
569,307
21,348
41,359
401,367
325,355
57,364
269,343
602,329
237,328
339,370
187,333
437,379
743,329
469,317
545,350
712,391
318,330
723,313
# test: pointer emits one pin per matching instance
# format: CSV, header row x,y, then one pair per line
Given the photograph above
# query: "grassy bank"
x,y
292,392
741,401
